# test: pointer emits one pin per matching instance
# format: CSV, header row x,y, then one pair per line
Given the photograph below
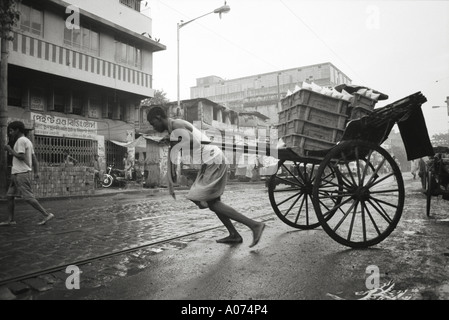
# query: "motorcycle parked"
x,y
113,176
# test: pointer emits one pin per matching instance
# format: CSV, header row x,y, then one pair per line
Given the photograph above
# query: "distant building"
x,y
262,92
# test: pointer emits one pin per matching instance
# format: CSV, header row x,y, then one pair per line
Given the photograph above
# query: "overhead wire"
x,y
318,37
222,37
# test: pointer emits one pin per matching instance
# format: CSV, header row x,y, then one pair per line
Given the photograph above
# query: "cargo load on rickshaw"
x,y
333,171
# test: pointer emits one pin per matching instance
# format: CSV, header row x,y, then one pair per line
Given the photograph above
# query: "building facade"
x,y
262,92
77,71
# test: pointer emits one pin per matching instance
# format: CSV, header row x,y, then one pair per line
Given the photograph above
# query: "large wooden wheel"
x,y
290,192
370,204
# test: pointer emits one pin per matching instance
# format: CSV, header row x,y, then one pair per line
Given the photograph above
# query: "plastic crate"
x,y
282,129
313,115
311,130
295,112
332,120
301,144
286,103
312,121
359,112
316,100
282,116
363,101
360,106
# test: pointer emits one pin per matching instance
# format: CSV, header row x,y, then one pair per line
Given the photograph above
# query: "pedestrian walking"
x,y
414,168
210,182
129,165
97,170
24,161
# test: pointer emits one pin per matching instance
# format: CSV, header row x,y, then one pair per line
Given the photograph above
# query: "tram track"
x,y
61,267
85,229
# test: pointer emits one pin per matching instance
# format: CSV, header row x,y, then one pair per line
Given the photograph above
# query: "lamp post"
x,y
447,106
223,9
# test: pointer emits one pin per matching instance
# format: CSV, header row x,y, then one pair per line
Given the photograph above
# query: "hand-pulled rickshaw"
x,y
354,190
436,175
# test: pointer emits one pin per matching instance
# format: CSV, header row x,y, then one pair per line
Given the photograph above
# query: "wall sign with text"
x,y
48,125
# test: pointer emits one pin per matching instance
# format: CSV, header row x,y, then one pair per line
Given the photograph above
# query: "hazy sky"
x,y
396,47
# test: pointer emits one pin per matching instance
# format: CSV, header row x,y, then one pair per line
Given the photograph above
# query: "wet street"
x,y
144,245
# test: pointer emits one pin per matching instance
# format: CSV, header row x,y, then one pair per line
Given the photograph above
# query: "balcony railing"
x,y
38,48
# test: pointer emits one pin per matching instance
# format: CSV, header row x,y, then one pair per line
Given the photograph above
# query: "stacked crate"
x,y
311,121
361,105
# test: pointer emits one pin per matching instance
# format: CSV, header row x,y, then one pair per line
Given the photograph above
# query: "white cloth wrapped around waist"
x,y
206,154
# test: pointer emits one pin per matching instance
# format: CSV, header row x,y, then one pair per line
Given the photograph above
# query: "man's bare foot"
x,y
257,233
231,240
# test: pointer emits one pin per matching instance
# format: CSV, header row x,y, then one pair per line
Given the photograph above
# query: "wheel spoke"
x,y
383,202
380,210
352,220
368,162
299,183
384,191
286,190
312,173
328,183
346,181
362,208
358,165
302,176
300,209
375,175
329,212
345,214
343,156
325,178
293,204
372,219
376,181
340,194
289,198
307,209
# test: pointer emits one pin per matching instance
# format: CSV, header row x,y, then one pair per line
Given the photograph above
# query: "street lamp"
x,y
223,9
447,105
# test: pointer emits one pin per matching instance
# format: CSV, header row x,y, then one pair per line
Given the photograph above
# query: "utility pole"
x,y
447,104
9,15
3,113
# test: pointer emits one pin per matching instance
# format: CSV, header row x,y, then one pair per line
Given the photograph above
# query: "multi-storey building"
x,y
262,92
77,72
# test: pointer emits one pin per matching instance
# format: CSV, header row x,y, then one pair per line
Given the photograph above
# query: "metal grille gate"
x,y
50,150
115,154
